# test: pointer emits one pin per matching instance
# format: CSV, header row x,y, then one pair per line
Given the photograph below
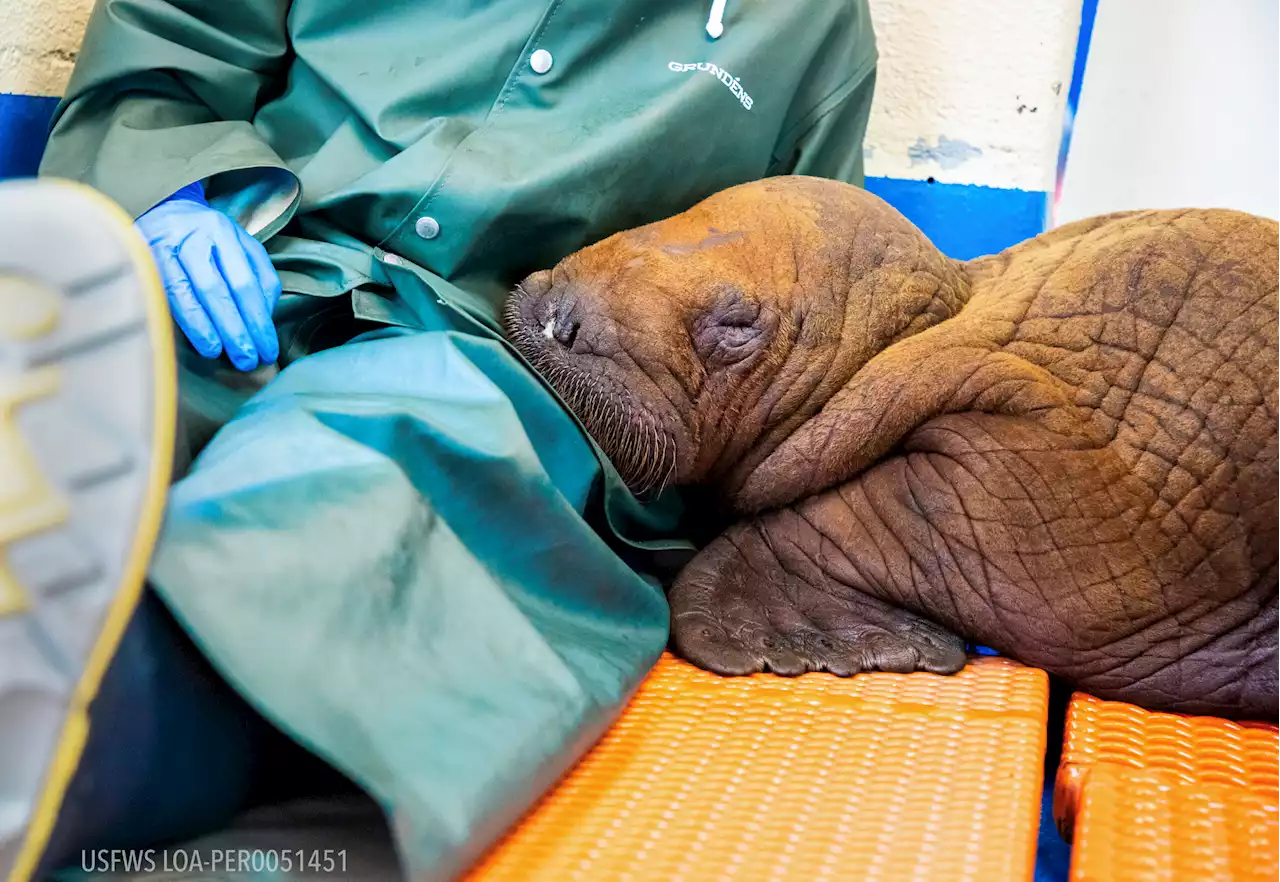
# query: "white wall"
x,y
1180,108
971,91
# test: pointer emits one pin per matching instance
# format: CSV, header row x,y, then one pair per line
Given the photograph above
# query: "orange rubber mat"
x,y
1138,826
1150,796
1193,750
877,777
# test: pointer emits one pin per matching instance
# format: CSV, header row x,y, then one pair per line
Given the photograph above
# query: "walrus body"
x,y
1067,451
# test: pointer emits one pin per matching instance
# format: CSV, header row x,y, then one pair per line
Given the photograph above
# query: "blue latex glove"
x,y
220,282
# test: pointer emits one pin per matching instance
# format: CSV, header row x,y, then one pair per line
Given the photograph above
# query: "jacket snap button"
x,y
427,227
540,61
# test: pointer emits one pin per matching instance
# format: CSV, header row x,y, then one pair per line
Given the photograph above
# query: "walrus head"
x,y
691,347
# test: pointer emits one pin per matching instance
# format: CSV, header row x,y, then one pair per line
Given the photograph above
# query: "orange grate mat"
x,y
1143,826
876,777
1191,750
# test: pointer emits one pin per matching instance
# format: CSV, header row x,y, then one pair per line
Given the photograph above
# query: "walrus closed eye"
x,y
1067,451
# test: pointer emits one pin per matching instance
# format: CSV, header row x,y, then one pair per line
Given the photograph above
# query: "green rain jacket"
x,y
402,549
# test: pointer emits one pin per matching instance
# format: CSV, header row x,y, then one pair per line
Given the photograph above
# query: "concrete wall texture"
x,y
963,138
971,91
38,43
968,115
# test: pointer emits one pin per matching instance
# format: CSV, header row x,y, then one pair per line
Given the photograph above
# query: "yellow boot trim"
x,y
29,503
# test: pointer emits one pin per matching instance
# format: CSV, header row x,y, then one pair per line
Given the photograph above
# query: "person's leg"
x,y
172,751
160,747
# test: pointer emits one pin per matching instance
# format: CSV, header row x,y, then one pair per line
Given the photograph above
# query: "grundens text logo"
x,y
722,75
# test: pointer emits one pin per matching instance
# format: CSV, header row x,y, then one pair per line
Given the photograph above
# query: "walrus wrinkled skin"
x,y
1066,451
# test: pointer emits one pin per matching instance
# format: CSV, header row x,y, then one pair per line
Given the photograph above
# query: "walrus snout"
x,y
540,314
575,329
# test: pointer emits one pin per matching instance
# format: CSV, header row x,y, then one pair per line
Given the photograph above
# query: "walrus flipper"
x,y
1016,537
754,600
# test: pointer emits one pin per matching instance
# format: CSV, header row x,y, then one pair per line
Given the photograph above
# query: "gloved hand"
x,y
220,282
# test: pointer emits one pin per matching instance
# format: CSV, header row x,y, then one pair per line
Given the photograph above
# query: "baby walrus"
x,y
1065,451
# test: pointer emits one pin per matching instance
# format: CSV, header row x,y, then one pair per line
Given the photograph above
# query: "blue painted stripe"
x,y
24,126
1088,15
964,220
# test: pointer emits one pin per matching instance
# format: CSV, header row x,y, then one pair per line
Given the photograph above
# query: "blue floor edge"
x,y
24,124
966,220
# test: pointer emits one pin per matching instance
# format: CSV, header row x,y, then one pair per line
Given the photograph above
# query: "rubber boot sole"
x,y
87,421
